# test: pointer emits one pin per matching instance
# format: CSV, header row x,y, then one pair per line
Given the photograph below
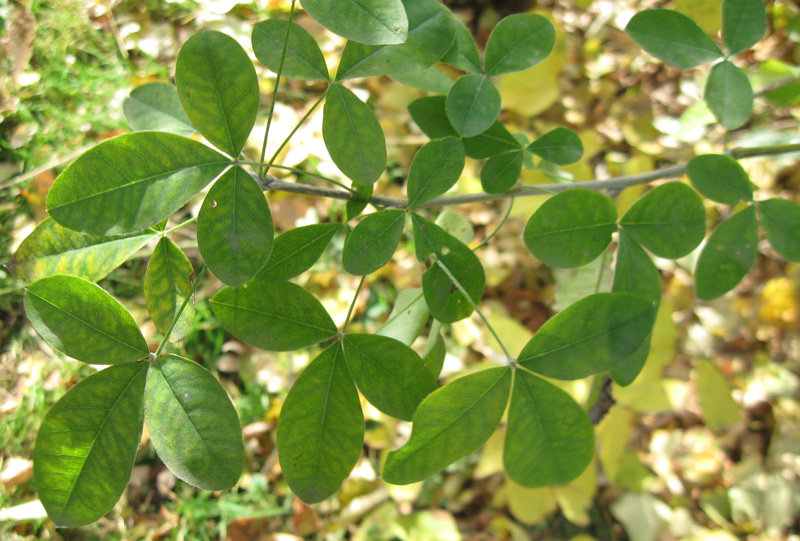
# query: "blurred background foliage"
x,y
705,445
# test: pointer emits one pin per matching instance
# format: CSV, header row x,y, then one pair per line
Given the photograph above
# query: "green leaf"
x,y
366,21
303,58
560,146
589,337
500,173
449,424
472,105
356,205
727,256
192,424
496,140
389,373
87,445
729,95
435,247
456,225
131,182
463,54
430,115
436,168
277,316
353,136
720,178
53,249
218,88
785,95
296,250
744,23
672,37
669,220
431,30
373,242
167,283
434,353
81,320
321,428
571,228
781,221
234,228
519,42
408,317
430,79
550,439
631,366
156,107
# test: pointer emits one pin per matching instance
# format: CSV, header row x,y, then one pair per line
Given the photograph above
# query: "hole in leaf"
x,y
213,203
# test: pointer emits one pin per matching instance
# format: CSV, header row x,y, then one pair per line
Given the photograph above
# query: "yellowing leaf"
x,y
779,303
491,460
707,14
529,505
576,497
613,434
720,410
651,396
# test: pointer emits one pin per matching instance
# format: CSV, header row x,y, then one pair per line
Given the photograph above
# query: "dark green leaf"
x,y
431,30
463,54
729,95
156,107
296,250
496,140
589,337
430,115
167,283
408,318
781,221
744,23
550,439
720,178
192,424
389,373
131,182
367,21
434,353
501,172
672,37
321,428
278,316
669,220
53,249
80,319
571,228
629,368
472,105
218,88
373,242
87,444
519,42
436,248
727,256
449,424
234,228
430,79
435,169
560,146
353,136
356,205
303,58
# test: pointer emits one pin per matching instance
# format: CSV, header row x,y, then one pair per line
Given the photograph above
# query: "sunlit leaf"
x,y
373,241
296,250
560,146
672,37
744,23
167,283
729,95
720,411
366,21
720,178
156,107
472,105
781,221
519,42
436,167
501,172
303,59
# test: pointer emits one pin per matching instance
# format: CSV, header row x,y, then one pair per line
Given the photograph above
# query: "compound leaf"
x,y
727,256
669,220
156,107
449,424
472,105
131,182
744,23
87,445
496,140
356,205
550,439
720,178
781,221
571,228
194,428
353,136
560,146
296,250
519,42
672,37
373,242
434,353
501,172
729,95
167,283
279,316
234,228
589,337
53,249
408,317
81,320
430,115
436,167
367,21
463,54
218,88
389,373
321,428
303,58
